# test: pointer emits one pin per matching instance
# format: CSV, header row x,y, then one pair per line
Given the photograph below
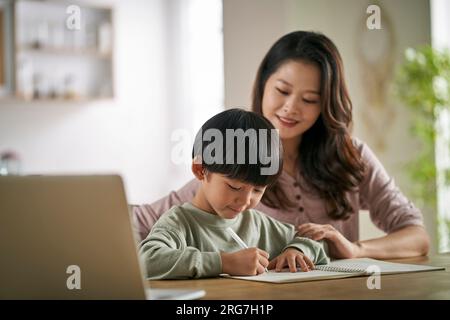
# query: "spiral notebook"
x,y
339,269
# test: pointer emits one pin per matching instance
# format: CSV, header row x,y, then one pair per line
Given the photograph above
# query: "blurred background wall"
x,y
168,77
177,62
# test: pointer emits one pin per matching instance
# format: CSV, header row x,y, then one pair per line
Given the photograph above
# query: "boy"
x,y
236,155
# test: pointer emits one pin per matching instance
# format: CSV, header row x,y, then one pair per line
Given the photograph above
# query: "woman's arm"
x,y
408,241
146,215
391,211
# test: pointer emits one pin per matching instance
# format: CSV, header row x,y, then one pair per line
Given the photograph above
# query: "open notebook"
x,y
339,269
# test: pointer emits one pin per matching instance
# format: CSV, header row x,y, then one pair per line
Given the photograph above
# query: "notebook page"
x,y
285,276
362,265
337,269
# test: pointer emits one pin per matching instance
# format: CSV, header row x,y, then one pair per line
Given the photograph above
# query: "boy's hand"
x,y
246,262
291,257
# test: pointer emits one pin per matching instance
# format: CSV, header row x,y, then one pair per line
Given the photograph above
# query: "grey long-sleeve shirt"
x,y
186,242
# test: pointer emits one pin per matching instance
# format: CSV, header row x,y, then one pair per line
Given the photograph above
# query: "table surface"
x,y
419,285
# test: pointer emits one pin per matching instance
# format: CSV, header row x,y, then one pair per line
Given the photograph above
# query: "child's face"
x,y
229,197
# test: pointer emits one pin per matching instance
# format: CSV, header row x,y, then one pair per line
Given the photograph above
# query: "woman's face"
x,y
291,99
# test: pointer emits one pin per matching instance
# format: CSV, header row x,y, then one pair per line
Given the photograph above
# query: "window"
x,y
440,24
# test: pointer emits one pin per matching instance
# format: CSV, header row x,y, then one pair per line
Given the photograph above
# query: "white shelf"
x,y
61,51
52,61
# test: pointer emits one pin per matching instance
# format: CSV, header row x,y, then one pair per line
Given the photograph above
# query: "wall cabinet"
x,y
61,51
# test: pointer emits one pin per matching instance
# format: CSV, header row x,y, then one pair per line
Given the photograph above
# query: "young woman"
x,y
328,176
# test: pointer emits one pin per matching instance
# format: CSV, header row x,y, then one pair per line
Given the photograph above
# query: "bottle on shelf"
x,y
9,163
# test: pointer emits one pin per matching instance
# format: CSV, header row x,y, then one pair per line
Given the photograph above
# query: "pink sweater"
x,y
389,208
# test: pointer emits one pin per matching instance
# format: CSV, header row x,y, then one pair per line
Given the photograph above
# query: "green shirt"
x,y
186,242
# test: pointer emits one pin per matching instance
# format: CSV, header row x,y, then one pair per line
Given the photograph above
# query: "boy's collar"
x,y
209,218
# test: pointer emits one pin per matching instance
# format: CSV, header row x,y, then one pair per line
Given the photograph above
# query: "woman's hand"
x,y
291,257
338,245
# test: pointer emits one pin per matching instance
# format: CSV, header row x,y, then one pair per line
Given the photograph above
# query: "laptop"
x,y
70,237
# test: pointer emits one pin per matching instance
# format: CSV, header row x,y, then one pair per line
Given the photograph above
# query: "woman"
x,y
328,176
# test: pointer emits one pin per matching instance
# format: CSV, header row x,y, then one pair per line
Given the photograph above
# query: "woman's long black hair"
x,y
328,159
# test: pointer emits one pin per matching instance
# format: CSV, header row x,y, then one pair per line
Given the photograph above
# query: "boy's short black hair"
x,y
264,141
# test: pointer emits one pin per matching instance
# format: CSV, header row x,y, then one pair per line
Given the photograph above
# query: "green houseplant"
x,y
422,83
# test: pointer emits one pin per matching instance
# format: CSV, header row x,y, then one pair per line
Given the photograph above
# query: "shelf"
x,y
52,61
49,101
65,51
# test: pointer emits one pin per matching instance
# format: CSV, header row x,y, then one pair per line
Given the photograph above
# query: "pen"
x,y
239,240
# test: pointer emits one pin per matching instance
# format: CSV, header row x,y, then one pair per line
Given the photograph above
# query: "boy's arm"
x,y
274,231
166,256
314,250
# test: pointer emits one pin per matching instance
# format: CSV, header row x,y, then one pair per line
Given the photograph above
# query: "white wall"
x,y
249,29
96,137
252,26
168,69
440,24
